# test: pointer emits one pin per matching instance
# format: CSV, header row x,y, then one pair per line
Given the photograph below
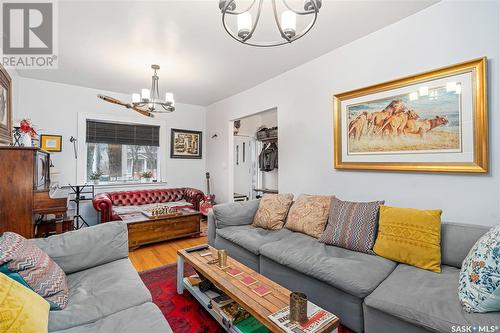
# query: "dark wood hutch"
x,y
24,190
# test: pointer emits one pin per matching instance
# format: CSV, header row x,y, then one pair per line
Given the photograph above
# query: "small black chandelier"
x,y
286,24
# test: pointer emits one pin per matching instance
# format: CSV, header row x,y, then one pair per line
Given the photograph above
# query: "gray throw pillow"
x,y
352,225
235,213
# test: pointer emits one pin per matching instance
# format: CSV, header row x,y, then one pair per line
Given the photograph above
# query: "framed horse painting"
x,y
435,121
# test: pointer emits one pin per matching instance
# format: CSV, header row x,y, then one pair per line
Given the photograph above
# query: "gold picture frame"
x,y
355,152
5,107
51,143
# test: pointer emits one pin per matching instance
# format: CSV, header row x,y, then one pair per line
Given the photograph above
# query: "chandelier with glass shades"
x,y
148,101
150,98
286,22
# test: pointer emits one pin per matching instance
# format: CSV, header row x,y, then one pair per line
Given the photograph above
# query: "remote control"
x,y
197,248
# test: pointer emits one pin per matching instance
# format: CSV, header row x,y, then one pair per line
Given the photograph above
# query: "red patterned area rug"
x,y
183,312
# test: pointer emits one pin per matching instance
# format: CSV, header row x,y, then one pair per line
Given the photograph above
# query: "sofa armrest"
x,y
211,227
193,196
102,203
88,247
235,213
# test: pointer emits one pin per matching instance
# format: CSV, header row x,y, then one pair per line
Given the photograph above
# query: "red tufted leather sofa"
x,y
104,202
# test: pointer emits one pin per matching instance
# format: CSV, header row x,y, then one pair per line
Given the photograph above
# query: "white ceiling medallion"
x,y
286,23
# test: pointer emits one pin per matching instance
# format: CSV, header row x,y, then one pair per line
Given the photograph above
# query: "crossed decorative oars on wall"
x,y
127,105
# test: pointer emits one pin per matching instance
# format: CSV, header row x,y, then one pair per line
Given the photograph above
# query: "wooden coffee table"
x,y
144,230
257,306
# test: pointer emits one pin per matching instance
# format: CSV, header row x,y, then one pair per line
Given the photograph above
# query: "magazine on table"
x,y
317,319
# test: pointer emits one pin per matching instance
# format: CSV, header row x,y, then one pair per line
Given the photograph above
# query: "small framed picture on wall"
x,y
52,143
185,144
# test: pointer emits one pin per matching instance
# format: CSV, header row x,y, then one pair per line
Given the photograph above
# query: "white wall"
x,y
54,108
441,35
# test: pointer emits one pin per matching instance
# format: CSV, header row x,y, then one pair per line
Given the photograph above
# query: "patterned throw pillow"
x,y
21,309
411,236
24,262
272,212
309,214
352,225
479,282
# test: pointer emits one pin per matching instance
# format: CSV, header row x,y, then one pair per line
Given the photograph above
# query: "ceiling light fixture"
x,y
287,26
150,100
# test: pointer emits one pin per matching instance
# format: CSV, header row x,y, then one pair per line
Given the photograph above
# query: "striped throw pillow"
x,y
352,225
24,262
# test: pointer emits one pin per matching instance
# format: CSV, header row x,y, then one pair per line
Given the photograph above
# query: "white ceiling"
x,y
110,45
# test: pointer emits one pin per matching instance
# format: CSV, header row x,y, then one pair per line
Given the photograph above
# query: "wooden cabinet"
x,y
24,189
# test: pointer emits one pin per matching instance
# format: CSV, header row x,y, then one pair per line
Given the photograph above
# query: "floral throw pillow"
x,y
272,211
309,214
24,262
479,283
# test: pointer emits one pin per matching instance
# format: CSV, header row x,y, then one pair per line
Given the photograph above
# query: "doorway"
x,y
255,153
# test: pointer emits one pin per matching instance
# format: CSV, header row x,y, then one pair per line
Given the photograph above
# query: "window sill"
x,y
124,186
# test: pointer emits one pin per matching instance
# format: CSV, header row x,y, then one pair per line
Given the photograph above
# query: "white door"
x,y
244,163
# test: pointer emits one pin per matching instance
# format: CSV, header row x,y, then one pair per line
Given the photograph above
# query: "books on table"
x,y
251,325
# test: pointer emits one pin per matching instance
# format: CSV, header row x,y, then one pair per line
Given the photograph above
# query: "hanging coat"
x,y
268,158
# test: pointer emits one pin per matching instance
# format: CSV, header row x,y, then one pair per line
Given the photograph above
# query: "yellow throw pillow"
x,y
21,309
410,236
309,214
272,211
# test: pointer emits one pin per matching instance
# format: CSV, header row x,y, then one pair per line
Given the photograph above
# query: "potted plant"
x,y
95,176
147,175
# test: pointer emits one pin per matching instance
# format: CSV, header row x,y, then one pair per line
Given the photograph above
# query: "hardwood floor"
x,y
159,254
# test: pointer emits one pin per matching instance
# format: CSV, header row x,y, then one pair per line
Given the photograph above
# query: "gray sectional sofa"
x,y
367,292
106,294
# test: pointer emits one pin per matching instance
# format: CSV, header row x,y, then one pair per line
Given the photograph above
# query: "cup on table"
x,y
222,256
298,307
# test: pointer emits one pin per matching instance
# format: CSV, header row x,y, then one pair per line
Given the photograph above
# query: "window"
x,y
119,152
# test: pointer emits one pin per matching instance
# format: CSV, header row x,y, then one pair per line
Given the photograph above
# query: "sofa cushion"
x,y
88,247
272,212
456,241
141,197
309,214
479,284
410,236
120,210
235,213
142,318
251,238
26,263
353,272
426,299
21,309
98,292
352,225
